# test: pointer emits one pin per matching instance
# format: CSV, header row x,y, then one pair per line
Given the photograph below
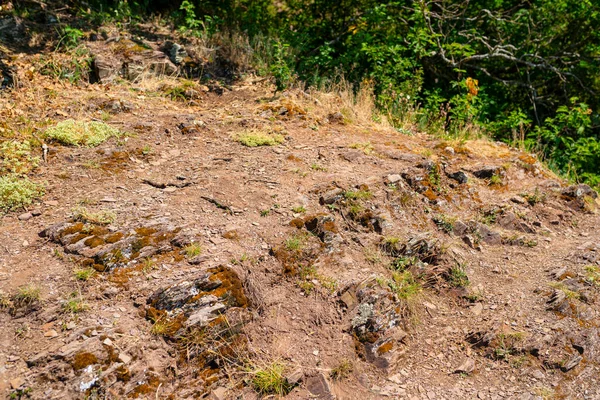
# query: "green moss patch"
x,y
16,192
78,133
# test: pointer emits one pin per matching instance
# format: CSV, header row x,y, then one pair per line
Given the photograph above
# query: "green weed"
x,y
270,379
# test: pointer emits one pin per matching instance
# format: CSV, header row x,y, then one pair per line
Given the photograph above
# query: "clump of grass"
x,y
192,250
77,133
403,263
403,284
270,379
343,369
495,180
358,194
294,243
299,209
17,192
265,213
147,150
570,294
373,255
507,344
27,295
457,276
317,167
102,217
259,138
444,222
164,327
84,274
366,148
535,197
593,275
148,265
75,304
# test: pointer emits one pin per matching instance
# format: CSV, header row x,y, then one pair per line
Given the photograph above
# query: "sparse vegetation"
x,y
495,180
18,192
77,133
366,148
508,345
593,275
444,222
534,198
26,296
295,243
75,304
192,250
270,379
403,284
299,209
569,294
163,326
84,274
457,276
265,213
102,217
358,194
342,370
259,138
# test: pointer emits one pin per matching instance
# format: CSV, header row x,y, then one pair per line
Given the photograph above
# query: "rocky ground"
x,y
350,260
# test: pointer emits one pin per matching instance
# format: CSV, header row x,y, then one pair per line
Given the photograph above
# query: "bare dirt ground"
x,y
314,237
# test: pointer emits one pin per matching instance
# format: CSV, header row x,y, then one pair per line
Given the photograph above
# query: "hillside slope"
x,y
350,260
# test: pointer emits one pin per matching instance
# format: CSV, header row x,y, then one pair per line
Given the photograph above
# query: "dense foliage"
x,y
526,72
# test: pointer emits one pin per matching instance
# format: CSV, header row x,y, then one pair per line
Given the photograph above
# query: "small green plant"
x,y
593,275
270,379
444,222
77,133
306,286
342,371
403,263
192,250
317,167
299,209
295,243
18,192
164,327
366,148
259,138
434,178
535,197
495,180
265,213
27,295
147,150
84,274
457,276
569,294
148,265
373,255
102,217
507,344
75,304
358,194
280,70
403,284
69,37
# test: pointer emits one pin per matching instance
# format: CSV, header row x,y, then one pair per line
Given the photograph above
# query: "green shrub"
x,y
17,192
76,133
